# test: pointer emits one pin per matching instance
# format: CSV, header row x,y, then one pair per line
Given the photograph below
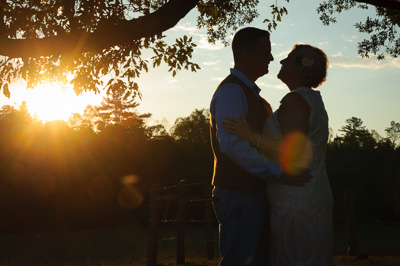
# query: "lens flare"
x,y
130,197
129,180
291,154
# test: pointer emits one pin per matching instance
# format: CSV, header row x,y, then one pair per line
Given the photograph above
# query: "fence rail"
x,y
180,197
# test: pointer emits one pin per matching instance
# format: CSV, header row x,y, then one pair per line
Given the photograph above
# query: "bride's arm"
x,y
293,114
241,128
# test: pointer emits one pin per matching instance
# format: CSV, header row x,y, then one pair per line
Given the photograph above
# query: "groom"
x,y
240,171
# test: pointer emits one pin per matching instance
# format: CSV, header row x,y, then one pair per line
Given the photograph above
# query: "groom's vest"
x,y
227,174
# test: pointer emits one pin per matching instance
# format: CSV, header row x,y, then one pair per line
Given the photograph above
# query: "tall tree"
x,y
192,134
393,132
117,109
8,112
354,126
356,135
23,113
85,121
193,129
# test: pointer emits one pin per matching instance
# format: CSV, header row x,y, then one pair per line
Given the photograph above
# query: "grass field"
x,y
127,245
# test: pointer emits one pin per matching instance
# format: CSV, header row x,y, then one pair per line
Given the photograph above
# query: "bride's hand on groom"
x,y
300,179
238,127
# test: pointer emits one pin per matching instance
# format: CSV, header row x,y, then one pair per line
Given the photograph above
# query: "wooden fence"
x,y
181,196
184,194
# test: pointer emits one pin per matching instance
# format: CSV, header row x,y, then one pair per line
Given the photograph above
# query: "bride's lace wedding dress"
x,y
301,217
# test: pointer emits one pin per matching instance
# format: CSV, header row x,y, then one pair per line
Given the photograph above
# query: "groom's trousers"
x,y
241,216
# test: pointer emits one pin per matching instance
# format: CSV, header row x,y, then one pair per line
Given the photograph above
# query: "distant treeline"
x,y
96,169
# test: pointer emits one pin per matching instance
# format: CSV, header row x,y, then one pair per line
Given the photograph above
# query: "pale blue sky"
x,y
364,88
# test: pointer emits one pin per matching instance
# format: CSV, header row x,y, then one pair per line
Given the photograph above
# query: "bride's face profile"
x,y
289,72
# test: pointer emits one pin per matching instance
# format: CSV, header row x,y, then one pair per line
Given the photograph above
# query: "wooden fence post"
x,y
350,221
180,230
209,223
153,229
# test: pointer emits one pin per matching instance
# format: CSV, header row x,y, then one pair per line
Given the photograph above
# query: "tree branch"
x,y
69,10
107,34
391,4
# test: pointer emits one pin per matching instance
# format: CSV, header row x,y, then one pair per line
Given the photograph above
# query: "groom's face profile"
x,y
260,57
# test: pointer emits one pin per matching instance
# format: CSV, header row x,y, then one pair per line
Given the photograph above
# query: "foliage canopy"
x,y
99,45
383,30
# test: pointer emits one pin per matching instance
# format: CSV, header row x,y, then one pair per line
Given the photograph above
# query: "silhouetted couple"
x,y
270,182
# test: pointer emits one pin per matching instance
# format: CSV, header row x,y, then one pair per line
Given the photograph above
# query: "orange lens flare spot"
x,y
291,152
130,197
129,180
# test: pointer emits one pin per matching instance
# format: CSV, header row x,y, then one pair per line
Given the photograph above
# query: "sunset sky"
x,y
364,88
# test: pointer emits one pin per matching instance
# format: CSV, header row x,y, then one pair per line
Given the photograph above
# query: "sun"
x,y
54,101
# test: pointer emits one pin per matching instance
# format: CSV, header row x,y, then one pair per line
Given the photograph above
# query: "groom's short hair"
x,y
247,38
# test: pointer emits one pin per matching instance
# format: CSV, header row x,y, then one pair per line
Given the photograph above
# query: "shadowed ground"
x,y
128,246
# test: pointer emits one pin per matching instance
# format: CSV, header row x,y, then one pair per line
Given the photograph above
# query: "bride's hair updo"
x,y
314,64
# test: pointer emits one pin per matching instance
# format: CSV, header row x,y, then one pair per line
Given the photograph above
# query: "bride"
x,y
296,135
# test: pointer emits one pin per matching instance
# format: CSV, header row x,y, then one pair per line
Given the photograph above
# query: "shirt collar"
x,y
245,80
